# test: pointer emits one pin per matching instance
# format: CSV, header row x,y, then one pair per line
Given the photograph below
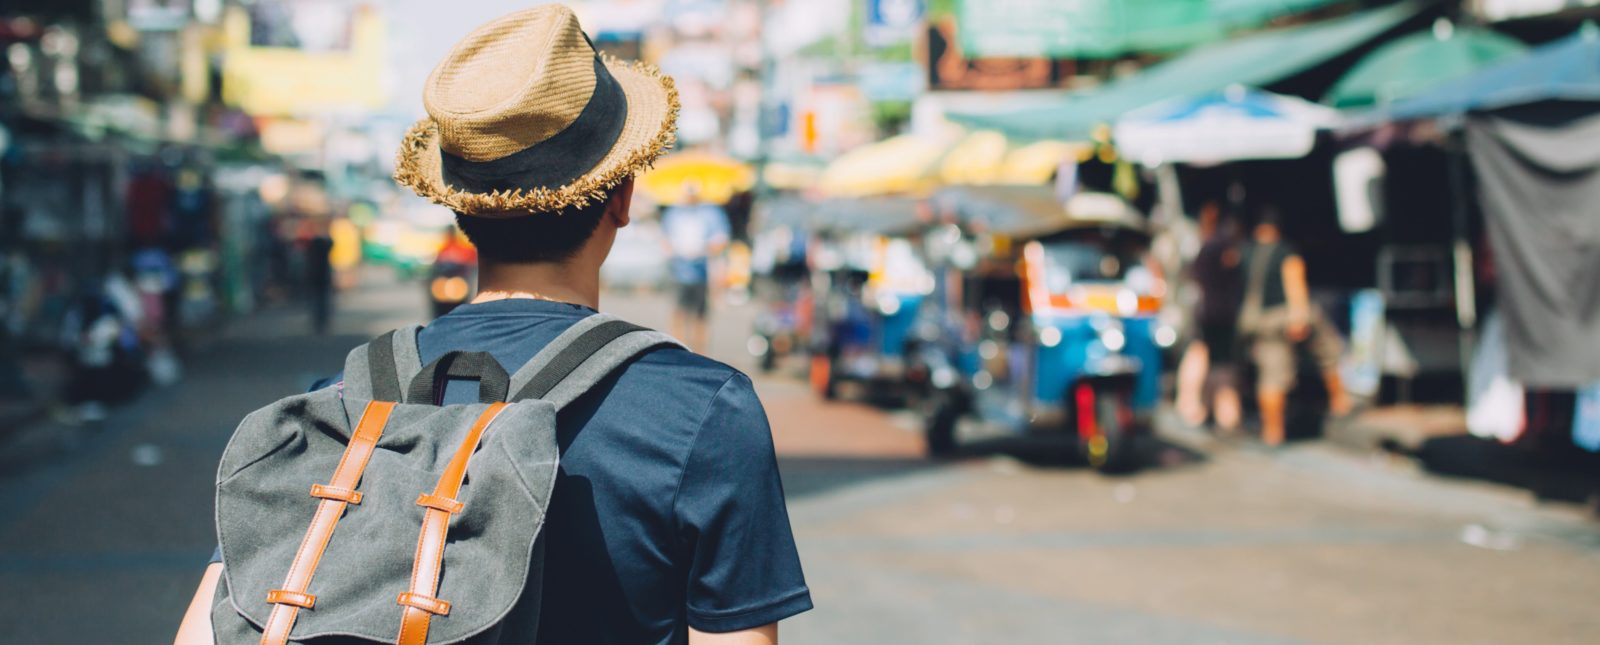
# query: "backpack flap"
x,y
264,510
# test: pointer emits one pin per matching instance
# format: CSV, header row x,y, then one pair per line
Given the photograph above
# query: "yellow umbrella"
x,y
901,164
717,177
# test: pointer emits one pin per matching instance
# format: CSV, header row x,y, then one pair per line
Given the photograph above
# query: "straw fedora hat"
x,y
525,117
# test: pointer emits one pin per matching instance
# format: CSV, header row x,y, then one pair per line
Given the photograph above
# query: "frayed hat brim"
x,y
650,131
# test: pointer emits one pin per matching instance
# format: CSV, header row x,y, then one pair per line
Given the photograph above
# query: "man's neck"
x,y
559,282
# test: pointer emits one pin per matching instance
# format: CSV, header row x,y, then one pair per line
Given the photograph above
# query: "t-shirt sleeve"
x,y
744,570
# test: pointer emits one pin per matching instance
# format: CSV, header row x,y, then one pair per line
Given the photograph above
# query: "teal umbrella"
x,y
1419,62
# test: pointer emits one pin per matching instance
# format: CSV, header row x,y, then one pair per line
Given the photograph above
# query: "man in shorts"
x,y
1277,316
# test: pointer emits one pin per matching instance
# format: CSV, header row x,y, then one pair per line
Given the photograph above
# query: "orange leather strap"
x,y
336,495
419,602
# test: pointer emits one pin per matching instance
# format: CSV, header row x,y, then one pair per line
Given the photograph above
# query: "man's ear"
x,y
621,203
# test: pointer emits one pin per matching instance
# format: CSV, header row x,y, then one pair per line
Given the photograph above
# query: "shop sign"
x,y
951,68
890,22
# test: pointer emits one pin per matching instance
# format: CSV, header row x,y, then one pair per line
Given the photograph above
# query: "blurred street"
x,y
108,526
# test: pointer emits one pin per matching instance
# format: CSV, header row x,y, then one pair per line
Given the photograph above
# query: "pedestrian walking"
x,y
664,519
1208,364
695,232
319,273
1275,317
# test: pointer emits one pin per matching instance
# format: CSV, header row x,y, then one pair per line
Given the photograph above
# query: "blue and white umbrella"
x,y
1234,124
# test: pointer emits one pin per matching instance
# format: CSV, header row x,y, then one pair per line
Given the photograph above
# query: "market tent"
x,y
716,176
1256,60
901,164
1234,124
1112,28
1565,70
784,212
1032,211
875,215
976,159
1037,162
1419,62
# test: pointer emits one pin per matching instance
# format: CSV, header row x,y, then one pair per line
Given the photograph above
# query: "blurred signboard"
x,y
951,68
1085,28
890,22
303,57
305,25
1111,28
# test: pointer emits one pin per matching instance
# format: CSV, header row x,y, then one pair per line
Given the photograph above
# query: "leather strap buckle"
x,y
431,605
293,598
335,493
441,503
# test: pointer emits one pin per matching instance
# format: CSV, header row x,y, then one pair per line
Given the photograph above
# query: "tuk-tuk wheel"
x,y
1104,427
940,426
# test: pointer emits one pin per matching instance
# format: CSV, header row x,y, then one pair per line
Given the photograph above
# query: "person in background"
x,y
1277,315
695,232
319,273
1208,363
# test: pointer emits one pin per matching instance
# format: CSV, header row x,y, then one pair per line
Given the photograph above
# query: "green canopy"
x,y
1419,62
1255,60
1110,28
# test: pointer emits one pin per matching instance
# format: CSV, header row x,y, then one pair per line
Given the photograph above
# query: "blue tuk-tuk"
x,y
869,281
1052,328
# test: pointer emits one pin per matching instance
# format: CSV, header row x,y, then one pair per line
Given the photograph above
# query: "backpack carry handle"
x,y
428,386
381,369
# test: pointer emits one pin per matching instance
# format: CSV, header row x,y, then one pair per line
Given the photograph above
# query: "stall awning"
x,y
1032,211
1565,70
897,165
1255,60
1111,28
1235,124
1419,62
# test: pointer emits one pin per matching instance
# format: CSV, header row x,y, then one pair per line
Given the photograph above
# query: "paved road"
x,y
106,528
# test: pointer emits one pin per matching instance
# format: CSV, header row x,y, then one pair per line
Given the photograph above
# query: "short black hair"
x,y
554,236
1268,215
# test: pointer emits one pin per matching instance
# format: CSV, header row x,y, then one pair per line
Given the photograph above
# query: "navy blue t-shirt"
x,y
667,512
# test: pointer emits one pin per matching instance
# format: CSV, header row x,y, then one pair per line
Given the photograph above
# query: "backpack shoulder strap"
x,y
378,370
581,356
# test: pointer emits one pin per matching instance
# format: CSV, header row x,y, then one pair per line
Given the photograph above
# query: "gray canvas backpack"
x,y
369,513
